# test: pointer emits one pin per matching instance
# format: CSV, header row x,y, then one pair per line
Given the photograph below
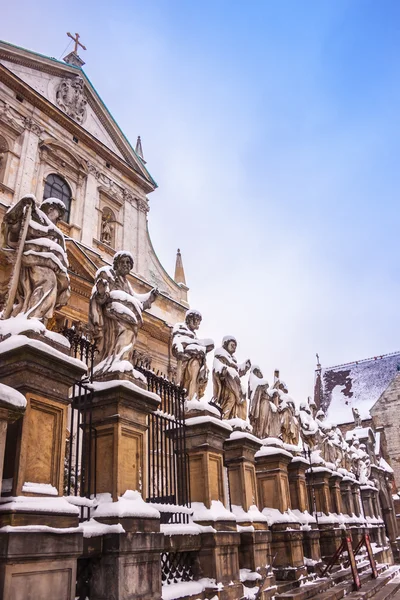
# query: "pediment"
x,y
59,153
68,88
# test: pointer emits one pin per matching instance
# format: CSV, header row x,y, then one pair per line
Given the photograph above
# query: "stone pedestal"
x,y
219,555
11,409
311,545
366,496
318,480
346,495
334,489
355,491
239,459
272,478
39,565
330,538
35,445
297,484
287,551
120,417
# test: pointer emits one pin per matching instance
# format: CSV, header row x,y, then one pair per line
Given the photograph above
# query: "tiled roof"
x,y
356,385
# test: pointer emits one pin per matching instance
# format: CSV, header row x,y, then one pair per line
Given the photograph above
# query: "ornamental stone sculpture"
x,y
191,354
115,314
70,97
263,406
39,282
308,426
228,392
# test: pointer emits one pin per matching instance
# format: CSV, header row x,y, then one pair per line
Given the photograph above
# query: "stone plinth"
x,y
205,437
39,565
318,480
346,495
239,459
287,551
311,545
120,417
35,445
219,560
355,490
366,497
334,489
330,538
129,567
297,484
12,408
272,478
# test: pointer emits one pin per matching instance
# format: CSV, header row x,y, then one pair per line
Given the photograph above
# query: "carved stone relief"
x,y
70,97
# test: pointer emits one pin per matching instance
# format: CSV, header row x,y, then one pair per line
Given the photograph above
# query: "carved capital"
x,y
33,126
142,205
9,116
93,170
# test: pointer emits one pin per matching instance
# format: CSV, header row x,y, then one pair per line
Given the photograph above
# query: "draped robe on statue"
x,y
115,316
43,279
228,392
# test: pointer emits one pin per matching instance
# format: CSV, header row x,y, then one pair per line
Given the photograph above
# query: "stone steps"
x,y
382,588
337,585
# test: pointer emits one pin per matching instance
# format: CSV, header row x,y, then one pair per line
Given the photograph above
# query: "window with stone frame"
x,y
107,232
57,187
3,157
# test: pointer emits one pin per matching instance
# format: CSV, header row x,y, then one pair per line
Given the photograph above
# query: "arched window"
x,y
57,187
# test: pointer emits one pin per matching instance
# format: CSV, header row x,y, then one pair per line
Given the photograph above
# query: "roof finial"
x,y
179,271
139,149
73,58
318,363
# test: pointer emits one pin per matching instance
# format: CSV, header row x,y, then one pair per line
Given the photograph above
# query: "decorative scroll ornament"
x,y
70,97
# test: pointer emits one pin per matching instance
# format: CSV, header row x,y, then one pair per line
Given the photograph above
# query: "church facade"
x,y
58,139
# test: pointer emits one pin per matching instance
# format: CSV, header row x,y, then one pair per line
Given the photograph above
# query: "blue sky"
x,y
272,130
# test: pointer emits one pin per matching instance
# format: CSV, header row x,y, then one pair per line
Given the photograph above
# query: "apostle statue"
x,y
228,392
308,426
259,403
191,354
39,282
115,313
289,423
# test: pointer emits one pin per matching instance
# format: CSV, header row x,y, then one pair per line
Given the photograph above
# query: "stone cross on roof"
x,y
77,42
73,58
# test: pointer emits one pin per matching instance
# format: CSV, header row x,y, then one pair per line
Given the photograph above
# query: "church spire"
x,y
179,271
139,149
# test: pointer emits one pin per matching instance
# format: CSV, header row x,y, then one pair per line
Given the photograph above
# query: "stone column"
x,y
255,545
274,492
297,484
130,561
347,497
219,554
38,564
334,488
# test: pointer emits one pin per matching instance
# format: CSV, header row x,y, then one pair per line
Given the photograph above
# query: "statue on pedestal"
x,y
39,282
191,354
290,427
228,392
259,403
308,426
115,313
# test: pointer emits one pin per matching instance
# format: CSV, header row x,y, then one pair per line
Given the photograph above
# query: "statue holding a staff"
x,y
35,246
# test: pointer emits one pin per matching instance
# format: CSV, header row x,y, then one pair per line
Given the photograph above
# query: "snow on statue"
x,y
34,245
228,392
115,314
191,354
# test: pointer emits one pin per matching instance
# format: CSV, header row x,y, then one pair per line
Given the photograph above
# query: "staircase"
x,y
339,584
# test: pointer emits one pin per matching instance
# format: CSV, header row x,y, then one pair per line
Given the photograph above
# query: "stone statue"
x,y
191,354
357,417
259,403
70,97
115,313
39,283
228,392
290,427
308,426
106,229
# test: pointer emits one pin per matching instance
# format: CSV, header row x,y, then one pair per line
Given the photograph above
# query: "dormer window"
x,y
57,187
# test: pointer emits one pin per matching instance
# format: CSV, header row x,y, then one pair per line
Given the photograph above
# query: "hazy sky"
x,y
273,131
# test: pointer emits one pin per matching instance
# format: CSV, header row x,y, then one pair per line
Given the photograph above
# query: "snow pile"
x,y
274,515
19,341
201,405
11,397
237,435
116,365
99,386
271,451
180,529
247,575
217,512
130,504
93,528
206,419
37,504
39,488
21,324
253,515
39,529
237,423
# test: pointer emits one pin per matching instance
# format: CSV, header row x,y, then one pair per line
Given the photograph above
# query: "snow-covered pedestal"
x,y
272,477
318,481
12,408
120,416
297,484
334,488
240,449
346,495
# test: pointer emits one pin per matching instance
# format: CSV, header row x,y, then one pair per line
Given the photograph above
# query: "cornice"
x,y
20,87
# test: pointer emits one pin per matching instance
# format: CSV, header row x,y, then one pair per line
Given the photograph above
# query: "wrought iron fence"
x,y
168,478
177,567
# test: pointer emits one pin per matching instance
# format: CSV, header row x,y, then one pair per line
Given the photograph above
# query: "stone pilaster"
x,y
240,461
347,497
334,489
272,478
318,480
297,484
